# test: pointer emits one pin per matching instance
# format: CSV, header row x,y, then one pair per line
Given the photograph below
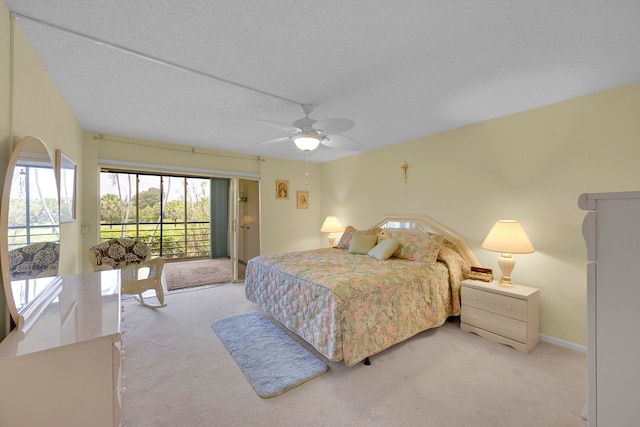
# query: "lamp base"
x,y
332,240
505,282
506,264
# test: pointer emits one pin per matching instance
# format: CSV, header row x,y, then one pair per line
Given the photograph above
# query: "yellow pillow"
x,y
384,249
361,244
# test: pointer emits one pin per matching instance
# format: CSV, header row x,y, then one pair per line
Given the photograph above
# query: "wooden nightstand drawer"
x,y
499,304
501,325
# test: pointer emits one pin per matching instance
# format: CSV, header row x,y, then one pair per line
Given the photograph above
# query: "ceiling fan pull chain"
x,y
306,172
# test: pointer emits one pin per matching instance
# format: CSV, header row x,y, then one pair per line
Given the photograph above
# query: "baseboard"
x,y
563,343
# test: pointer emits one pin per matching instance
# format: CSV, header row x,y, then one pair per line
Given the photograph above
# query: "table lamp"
x,y
507,237
332,225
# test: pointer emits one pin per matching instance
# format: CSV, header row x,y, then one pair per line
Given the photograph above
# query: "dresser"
x,y
65,369
509,316
611,230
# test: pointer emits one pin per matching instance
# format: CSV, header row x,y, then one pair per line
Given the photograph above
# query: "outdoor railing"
x,y
19,236
168,239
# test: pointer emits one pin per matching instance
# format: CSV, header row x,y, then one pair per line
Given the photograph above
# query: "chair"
x,y
138,272
34,261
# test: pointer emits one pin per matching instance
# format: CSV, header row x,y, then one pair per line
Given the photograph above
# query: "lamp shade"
x,y
331,225
306,142
508,236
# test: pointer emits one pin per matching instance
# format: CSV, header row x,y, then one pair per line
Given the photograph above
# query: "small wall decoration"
x,y
66,177
282,189
302,200
405,174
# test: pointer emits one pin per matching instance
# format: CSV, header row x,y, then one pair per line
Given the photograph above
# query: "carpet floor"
x,y
178,373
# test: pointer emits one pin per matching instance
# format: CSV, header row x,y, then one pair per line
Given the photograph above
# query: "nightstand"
x,y
509,316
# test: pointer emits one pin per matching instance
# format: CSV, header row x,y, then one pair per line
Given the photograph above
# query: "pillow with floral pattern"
x,y
418,247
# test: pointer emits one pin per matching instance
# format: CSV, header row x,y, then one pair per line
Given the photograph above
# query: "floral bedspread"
x,y
349,306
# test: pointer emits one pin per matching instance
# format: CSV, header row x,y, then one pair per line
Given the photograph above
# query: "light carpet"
x,y
178,373
272,361
189,274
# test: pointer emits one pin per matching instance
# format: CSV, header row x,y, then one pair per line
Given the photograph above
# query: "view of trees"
x,y
171,213
32,214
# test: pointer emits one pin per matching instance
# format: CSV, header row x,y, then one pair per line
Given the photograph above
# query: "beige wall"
x,y
284,227
530,166
40,110
31,104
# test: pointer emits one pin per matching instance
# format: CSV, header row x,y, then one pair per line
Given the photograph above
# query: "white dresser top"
x,y
87,307
518,291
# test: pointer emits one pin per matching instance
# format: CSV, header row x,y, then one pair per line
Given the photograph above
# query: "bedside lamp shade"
x,y
507,237
331,225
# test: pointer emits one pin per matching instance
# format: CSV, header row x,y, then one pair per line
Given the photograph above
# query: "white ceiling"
x,y
402,69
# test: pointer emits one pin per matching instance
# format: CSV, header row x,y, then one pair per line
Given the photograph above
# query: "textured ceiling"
x,y
403,69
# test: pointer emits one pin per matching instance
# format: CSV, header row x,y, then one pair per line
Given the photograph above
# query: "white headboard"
x,y
426,224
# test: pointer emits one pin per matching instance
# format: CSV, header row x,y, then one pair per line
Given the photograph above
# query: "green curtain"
x,y
220,217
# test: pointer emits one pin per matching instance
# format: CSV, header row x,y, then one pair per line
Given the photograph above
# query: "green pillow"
x,y
362,243
384,249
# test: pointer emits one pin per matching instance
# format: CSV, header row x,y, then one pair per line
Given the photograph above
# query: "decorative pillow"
x,y
350,231
120,252
418,247
345,239
361,244
384,249
35,260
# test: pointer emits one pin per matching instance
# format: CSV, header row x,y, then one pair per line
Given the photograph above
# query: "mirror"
x,y
29,225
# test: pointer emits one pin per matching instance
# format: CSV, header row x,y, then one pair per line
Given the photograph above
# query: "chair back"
x,y
117,253
35,260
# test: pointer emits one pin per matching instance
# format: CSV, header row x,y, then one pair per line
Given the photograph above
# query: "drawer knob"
x,y
474,298
508,307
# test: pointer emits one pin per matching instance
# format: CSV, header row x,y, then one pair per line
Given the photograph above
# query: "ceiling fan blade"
x,y
341,141
331,126
281,126
275,141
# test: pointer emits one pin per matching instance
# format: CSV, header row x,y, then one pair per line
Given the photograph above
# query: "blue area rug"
x,y
272,361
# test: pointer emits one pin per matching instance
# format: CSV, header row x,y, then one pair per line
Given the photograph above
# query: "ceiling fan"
x,y
308,134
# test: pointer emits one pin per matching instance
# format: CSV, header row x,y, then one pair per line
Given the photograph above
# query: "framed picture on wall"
x,y
282,189
66,176
302,200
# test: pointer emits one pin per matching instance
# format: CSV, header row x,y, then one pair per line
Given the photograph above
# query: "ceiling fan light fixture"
x,y
307,142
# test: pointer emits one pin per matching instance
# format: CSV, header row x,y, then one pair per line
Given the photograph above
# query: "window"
x,y
171,213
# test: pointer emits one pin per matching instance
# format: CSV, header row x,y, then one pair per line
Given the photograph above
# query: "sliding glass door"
x,y
183,217
171,213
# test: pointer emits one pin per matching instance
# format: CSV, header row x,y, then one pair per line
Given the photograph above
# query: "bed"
x,y
350,302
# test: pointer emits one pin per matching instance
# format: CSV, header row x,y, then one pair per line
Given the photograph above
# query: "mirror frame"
x,y
66,178
43,284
